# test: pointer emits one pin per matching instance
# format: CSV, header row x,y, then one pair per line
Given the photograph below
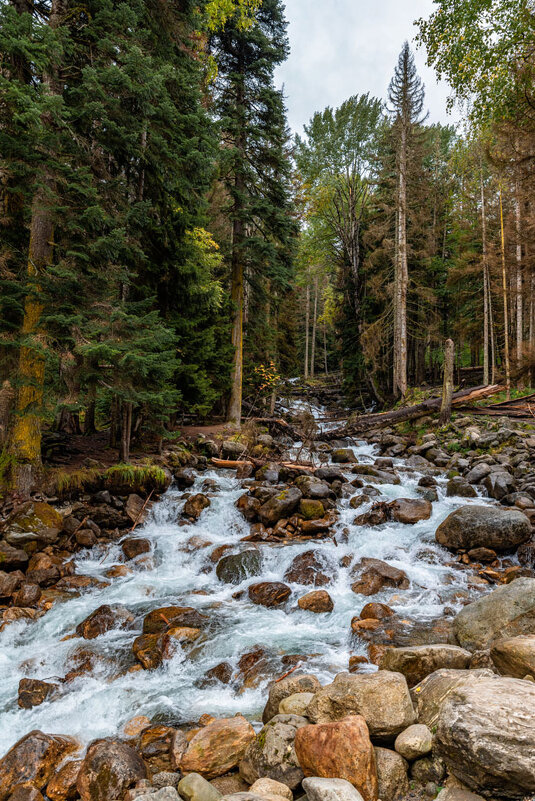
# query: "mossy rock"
x,y
311,509
125,479
33,522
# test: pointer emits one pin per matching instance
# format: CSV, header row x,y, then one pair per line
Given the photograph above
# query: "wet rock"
x,y
221,672
526,554
506,612
428,769
272,790
28,595
62,786
317,601
460,487
484,526
218,747
104,619
269,593
21,793
135,508
231,449
486,735
515,657
330,474
313,487
166,617
10,583
77,583
272,753
237,567
416,741
269,472
150,650
410,510
309,568
484,555
478,473
194,787
339,750
185,477
295,704
343,456
280,506
499,484
375,575
109,769
32,761
135,546
248,506
158,745
392,779
195,505
381,698
33,522
33,692
311,509
319,789
419,661
285,688
12,558
375,611
431,693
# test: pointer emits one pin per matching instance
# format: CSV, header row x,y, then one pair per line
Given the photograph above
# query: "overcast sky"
x,y
344,47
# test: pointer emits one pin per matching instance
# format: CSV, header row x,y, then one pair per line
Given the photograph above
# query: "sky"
x,y
344,47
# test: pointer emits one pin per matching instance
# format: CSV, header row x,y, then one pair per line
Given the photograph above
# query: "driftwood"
x,y
367,422
235,464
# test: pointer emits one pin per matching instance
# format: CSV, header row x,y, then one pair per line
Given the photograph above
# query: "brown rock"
x,y
104,619
10,582
156,746
108,770
340,750
32,761
33,692
410,510
135,546
195,505
151,649
248,506
165,617
218,747
12,558
286,687
308,568
221,672
376,575
419,661
28,595
317,601
376,611
281,505
62,786
134,508
392,778
269,593
515,656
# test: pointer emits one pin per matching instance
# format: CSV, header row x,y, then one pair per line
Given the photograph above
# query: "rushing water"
x,y
181,573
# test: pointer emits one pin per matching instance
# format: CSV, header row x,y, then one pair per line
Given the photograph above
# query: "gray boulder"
x,y
291,685
430,694
506,612
236,567
194,787
418,661
318,789
272,754
484,526
392,778
281,505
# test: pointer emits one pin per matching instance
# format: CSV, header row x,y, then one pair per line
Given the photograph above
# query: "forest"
x,y
169,249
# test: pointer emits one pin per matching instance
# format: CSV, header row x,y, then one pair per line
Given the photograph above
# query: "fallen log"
x,y
235,464
279,426
367,422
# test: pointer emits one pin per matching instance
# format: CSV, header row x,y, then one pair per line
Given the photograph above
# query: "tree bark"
x,y
519,280
126,432
447,390
401,278
505,306
314,328
307,327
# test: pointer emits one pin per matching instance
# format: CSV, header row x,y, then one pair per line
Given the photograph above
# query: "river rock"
x,y
272,790
108,770
135,546
33,522
319,789
460,487
236,567
411,510
416,741
339,750
33,692
151,649
499,484
231,448
376,575
218,747
271,754
268,472
526,554
428,769
375,611
195,505
431,693
343,456
330,474
392,778
309,568
281,505
484,526
194,787
310,509
317,601
166,617
269,593
382,698
104,619
291,685
21,793
32,761
515,657
295,704
62,786
164,794
419,661
506,612
12,558
313,487
248,506
10,582
486,735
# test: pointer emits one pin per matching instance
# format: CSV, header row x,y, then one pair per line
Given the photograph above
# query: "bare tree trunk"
x,y
486,311
518,293
307,326
314,327
401,278
7,396
447,390
126,432
325,349
505,307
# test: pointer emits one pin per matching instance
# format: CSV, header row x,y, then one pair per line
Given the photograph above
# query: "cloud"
x,y
344,47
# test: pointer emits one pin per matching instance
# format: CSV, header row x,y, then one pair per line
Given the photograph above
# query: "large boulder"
x,y
110,767
515,657
309,568
484,526
313,487
104,619
506,612
194,787
392,774
12,558
62,786
486,735
281,505
415,742
166,617
317,601
382,698
291,685
411,510
218,748
269,593
236,567
418,661
339,750
271,754
32,761
33,522
376,575
431,693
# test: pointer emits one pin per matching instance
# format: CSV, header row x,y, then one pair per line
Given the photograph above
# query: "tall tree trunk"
x,y
519,281
447,390
486,316
401,279
307,327
314,327
126,432
325,349
505,306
